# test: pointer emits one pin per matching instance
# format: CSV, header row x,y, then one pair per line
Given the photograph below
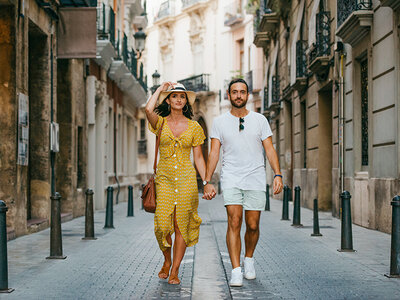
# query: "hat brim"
x,y
190,95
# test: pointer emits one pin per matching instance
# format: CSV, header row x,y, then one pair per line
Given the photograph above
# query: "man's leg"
x,y
252,218
235,213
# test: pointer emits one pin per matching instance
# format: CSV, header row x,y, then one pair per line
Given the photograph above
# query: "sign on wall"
x,y
23,129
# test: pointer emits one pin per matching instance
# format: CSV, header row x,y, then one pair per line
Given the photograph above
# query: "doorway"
x,y
38,201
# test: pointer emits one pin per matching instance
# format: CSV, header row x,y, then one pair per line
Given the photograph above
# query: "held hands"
x,y
277,185
209,192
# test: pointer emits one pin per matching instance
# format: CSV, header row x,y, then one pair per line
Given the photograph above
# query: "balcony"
x,y
142,147
105,36
319,55
192,5
301,66
198,83
281,7
166,11
265,23
394,4
354,20
78,3
233,14
275,95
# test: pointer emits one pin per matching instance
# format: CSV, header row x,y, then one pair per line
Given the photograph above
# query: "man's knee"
x,y
234,223
252,226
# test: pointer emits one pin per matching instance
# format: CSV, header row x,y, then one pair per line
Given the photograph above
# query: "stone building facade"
x,y
40,91
332,98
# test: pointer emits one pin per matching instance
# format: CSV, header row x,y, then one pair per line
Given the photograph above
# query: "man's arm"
x,y
213,157
274,163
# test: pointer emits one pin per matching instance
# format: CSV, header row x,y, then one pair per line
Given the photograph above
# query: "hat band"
x,y
179,88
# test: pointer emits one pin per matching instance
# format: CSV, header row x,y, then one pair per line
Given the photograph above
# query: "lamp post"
x,y
156,81
140,38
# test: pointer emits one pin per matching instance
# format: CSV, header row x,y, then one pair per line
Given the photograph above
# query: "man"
x,y
243,135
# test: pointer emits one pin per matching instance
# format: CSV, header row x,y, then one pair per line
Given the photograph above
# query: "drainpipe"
x,y
341,125
52,153
115,150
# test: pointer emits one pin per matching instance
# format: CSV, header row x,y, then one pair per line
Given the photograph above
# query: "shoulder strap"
x,y
157,145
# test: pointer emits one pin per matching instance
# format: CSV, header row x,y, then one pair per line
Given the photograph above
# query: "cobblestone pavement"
x,y
123,262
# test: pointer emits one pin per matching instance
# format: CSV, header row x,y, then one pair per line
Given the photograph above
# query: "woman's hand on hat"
x,y
166,85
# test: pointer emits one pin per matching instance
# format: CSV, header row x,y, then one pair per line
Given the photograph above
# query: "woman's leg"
x,y
163,274
179,252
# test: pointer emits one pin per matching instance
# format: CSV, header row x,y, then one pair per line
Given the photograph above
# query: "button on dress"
x,y
176,184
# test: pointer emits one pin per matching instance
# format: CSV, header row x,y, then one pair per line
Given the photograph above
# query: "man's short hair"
x,y
236,80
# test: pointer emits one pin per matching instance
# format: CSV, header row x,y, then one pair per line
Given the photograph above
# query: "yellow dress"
x,y
176,184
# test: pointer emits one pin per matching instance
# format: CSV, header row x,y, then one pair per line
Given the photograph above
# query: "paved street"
x,y
123,262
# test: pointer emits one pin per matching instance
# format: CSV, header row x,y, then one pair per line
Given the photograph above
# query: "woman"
x,y
176,185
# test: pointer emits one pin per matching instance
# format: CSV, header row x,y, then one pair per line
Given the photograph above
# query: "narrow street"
x,y
123,262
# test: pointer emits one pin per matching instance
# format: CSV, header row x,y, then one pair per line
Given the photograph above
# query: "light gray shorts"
x,y
248,199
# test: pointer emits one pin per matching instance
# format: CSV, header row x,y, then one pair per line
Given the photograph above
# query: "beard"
x,y
243,104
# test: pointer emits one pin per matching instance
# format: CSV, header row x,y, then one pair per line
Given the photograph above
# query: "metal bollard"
x,y
130,202
109,208
347,235
56,251
316,221
89,216
395,243
3,250
296,208
267,208
285,204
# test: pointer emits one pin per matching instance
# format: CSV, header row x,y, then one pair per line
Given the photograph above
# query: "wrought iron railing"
x,y
142,147
322,46
196,83
186,3
346,7
301,59
275,89
165,10
106,23
132,65
262,10
125,52
249,80
265,98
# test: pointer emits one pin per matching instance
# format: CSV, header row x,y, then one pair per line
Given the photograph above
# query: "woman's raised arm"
x,y
152,117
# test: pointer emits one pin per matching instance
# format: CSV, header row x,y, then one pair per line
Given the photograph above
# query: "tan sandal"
x,y
163,274
173,279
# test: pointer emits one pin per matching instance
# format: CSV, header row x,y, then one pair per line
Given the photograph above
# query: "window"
x,y
364,112
142,143
304,129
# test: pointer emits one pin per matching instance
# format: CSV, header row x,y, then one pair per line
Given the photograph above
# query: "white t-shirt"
x,y
243,163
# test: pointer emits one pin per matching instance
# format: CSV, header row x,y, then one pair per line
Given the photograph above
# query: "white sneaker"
x,y
237,277
249,271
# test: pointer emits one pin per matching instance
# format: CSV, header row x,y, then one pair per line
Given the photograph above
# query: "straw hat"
x,y
178,87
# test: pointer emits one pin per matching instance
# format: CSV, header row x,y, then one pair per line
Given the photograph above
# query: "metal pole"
x,y
89,216
296,208
285,204
130,202
395,243
55,229
267,206
109,208
316,221
347,235
3,250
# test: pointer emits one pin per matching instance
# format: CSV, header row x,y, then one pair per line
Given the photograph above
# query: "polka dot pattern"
x,y
176,184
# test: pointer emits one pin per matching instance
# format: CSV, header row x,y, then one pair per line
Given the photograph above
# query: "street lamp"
x,y
156,81
140,38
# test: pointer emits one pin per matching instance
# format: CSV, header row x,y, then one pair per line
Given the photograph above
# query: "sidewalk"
x,y
123,263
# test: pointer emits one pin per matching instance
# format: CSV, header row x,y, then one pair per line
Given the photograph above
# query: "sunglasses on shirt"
x,y
241,126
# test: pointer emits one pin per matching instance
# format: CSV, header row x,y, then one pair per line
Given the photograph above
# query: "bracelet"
x,y
279,175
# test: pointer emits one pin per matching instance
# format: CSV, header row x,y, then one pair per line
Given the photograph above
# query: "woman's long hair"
x,y
164,109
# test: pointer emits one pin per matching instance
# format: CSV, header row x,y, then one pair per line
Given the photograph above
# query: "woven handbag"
x,y
149,190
